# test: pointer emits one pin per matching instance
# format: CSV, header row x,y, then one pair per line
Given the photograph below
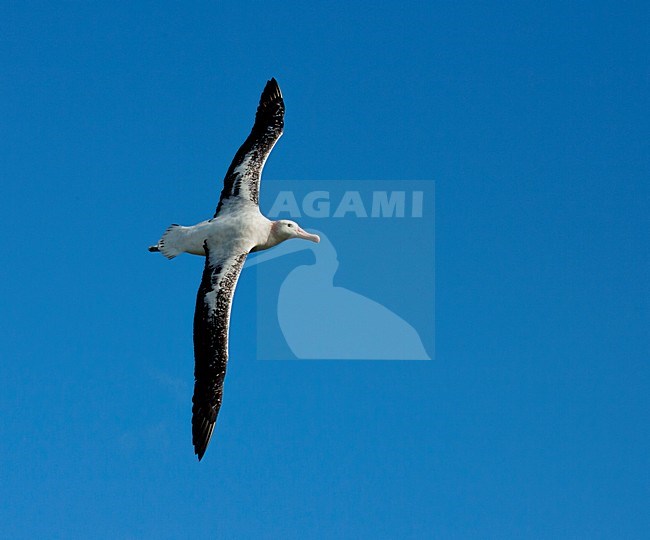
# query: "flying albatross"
x,y
237,228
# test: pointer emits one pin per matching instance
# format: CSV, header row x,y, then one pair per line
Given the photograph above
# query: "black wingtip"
x,y
272,86
271,93
201,444
201,440
204,419
270,111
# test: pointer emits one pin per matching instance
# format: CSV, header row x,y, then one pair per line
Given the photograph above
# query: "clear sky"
x,y
532,419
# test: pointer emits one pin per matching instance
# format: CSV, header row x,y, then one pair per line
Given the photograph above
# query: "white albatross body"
x,y
237,228
243,230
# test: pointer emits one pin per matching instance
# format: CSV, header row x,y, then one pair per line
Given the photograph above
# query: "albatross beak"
x,y
301,233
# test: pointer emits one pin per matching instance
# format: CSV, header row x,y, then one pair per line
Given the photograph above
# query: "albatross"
x,y
237,228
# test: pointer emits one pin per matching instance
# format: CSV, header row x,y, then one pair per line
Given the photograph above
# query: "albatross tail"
x,y
170,243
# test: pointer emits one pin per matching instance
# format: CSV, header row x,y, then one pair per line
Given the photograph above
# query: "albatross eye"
x,y
289,225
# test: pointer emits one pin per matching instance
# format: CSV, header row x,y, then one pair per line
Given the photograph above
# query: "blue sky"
x,y
531,421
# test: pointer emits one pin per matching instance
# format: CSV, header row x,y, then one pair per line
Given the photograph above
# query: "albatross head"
x,y
285,229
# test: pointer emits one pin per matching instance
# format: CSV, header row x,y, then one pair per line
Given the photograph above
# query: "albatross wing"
x,y
242,181
211,321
